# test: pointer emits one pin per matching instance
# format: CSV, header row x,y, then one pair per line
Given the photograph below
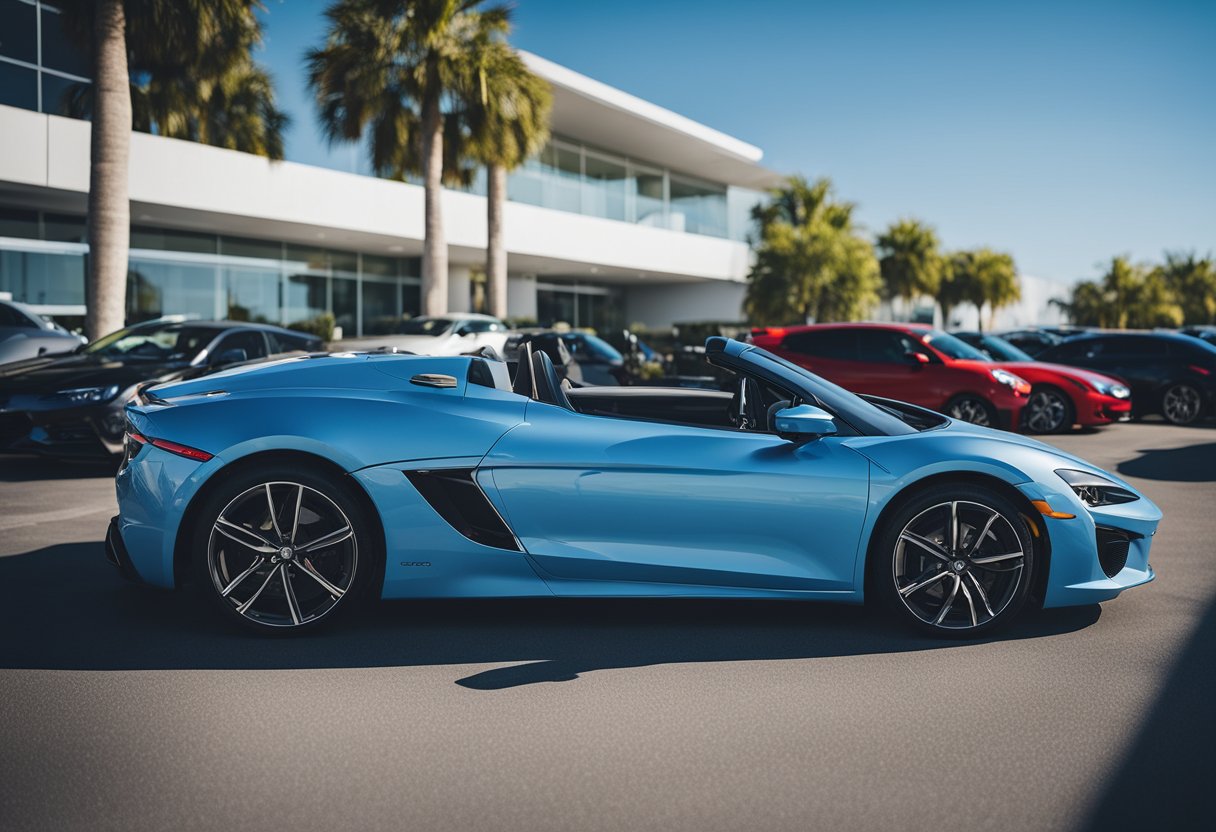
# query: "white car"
x,y
447,335
26,334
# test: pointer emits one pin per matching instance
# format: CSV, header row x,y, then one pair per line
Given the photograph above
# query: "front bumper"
x,y
82,433
1097,409
1076,575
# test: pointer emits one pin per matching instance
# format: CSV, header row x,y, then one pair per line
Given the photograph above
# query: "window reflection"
x,y
157,289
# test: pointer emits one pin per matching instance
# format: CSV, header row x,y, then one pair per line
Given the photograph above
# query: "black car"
x,y
1032,341
72,406
1168,373
581,357
1207,333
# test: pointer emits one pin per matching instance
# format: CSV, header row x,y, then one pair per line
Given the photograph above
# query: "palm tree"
x,y
507,110
985,277
125,36
909,260
951,288
811,261
391,70
1193,282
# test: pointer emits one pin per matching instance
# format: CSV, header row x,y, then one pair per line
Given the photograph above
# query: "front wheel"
x,y
973,409
1181,404
1048,410
955,560
282,549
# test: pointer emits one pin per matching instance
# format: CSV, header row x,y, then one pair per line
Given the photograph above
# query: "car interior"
x,y
750,406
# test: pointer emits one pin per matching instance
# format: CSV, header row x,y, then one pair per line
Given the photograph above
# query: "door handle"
x,y
433,380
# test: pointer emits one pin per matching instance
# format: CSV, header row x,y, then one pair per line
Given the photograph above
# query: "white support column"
x,y
459,289
521,296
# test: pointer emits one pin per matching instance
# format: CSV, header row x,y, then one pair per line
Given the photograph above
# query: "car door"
x,y
601,502
886,369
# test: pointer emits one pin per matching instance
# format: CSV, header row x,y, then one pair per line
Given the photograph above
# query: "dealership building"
x,y
631,214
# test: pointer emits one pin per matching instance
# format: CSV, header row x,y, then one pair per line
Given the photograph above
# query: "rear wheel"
x,y
283,549
1181,404
973,409
954,560
1049,410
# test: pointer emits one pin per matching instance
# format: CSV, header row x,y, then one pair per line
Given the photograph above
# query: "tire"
x,y
953,586
279,571
1181,404
1049,410
974,409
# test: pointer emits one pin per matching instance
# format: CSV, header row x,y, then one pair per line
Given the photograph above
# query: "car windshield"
x,y
591,346
425,326
1002,350
952,347
153,342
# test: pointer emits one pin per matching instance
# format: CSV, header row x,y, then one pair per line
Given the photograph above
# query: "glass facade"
x,y
40,68
569,176
580,305
42,262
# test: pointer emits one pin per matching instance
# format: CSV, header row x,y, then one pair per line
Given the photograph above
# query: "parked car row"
x,y
1088,378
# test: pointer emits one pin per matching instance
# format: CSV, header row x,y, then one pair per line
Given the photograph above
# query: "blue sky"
x,y
1061,132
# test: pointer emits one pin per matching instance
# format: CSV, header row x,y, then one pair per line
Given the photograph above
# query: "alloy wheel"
x,y
1181,404
1046,411
958,565
282,554
971,410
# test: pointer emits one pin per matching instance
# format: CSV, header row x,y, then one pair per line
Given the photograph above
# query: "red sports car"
x,y
930,368
1062,396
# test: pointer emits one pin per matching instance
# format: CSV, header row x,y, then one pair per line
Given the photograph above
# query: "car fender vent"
x,y
458,499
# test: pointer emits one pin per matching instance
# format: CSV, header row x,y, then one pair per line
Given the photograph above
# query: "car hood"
x,y
49,374
1026,369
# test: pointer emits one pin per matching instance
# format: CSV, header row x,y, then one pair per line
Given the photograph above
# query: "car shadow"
x,y
1194,463
1165,777
37,468
68,609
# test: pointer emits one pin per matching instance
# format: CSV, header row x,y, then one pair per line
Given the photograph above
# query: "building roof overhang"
x,y
604,116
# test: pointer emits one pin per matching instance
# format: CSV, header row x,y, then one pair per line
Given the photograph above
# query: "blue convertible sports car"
x,y
291,491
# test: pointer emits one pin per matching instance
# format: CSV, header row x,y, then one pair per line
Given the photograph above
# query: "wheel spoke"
x,y
970,604
251,539
926,544
979,589
244,608
295,523
910,588
995,558
274,520
331,539
949,600
975,545
954,526
292,604
308,569
257,564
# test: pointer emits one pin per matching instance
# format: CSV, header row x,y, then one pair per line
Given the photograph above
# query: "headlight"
x,y
1094,490
1008,379
1116,391
89,395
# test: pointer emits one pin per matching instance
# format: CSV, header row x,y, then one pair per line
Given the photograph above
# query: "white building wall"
x,y
521,296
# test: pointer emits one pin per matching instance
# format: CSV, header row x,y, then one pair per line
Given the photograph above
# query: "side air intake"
x,y
457,498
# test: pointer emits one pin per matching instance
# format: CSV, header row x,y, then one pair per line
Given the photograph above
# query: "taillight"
x,y
773,331
1203,371
166,445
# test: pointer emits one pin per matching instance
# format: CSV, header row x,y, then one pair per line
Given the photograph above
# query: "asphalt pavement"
x,y
128,708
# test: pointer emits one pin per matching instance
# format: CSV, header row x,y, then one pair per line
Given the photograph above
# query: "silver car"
x,y
26,334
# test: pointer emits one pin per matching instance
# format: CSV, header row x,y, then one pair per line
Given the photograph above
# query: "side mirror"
x,y
233,356
917,358
803,423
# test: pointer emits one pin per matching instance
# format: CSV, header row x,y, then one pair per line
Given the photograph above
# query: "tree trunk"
x,y
979,317
109,207
434,246
496,249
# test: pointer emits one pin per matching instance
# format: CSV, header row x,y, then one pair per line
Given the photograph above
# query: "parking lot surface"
x,y
128,708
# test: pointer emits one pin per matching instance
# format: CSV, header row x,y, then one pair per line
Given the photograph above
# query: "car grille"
x,y
1113,547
